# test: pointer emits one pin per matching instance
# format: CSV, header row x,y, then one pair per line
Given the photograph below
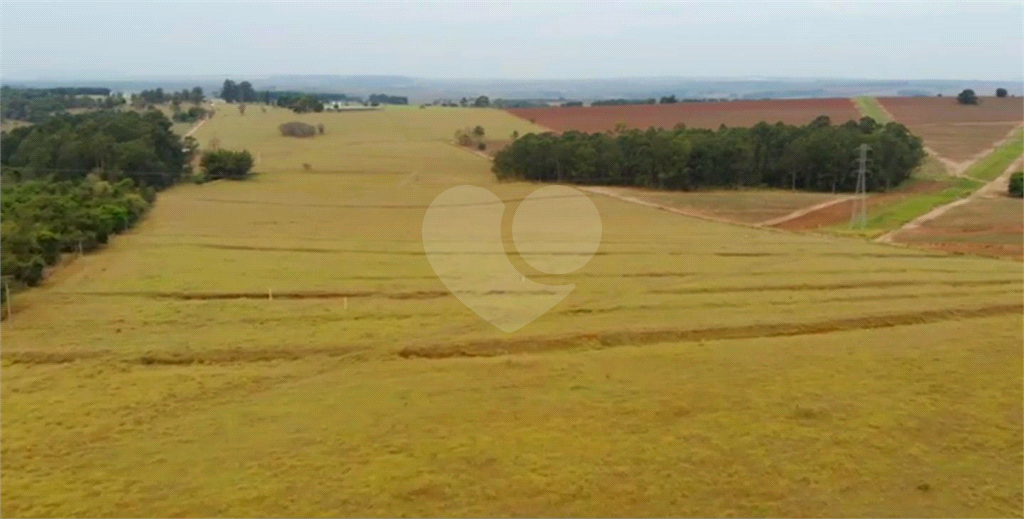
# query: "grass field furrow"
x,y
636,338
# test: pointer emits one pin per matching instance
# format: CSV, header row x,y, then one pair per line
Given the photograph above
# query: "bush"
x,y
1001,92
226,164
297,129
1017,184
481,145
967,97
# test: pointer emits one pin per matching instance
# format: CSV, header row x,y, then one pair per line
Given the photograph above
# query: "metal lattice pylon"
x,y
859,215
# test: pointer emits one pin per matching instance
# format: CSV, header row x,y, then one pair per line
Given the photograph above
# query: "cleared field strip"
x,y
999,162
709,115
870,107
958,133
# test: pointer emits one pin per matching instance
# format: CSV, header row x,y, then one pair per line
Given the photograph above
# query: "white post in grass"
x,y
270,294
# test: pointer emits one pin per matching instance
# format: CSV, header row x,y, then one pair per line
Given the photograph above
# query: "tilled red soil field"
x,y
955,131
924,110
694,115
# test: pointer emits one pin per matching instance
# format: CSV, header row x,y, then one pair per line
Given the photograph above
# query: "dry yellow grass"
x,y
697,369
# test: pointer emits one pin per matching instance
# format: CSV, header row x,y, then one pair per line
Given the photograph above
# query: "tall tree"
x,y
229,91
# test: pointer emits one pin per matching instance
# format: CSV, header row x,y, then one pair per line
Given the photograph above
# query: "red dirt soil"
x,y
924,110
695,115
841,212
955,131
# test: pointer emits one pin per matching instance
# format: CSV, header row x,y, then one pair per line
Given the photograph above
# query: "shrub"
x,y
226,164
297,129
481,145
1017,184
967,97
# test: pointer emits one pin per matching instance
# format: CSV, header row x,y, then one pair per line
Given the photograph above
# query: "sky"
x,y
515,40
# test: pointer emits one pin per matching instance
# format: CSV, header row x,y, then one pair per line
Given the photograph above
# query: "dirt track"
x,y
985,191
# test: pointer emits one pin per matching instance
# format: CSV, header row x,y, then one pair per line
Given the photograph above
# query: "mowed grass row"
x,y
696,369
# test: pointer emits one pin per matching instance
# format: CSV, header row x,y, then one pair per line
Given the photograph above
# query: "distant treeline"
x,y
518,103
323,96
816,157
36,104
71,91
384,99
157,96
612,102
238,92
70,182
300,103
670,99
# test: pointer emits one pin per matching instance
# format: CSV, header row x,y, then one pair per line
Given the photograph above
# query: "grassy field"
x,y
870,107
697,368
9,124
995,163
744,206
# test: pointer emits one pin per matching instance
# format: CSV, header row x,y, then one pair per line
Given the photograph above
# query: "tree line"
x,y
157,96
70,182
384,99
36,104
238,92
818,156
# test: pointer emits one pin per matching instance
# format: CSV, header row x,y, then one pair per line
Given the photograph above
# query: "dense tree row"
x,y
516,103
384,99
238,92
323,96
41,219
816,157
71,181
132,145
157,96
36,104
613,102
301,103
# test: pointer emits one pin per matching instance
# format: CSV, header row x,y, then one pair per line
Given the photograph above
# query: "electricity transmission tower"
x,y
859,215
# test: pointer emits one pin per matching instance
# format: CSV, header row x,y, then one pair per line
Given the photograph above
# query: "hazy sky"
x,y
841,39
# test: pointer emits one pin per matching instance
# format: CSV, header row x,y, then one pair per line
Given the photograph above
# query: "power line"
x,y
859,215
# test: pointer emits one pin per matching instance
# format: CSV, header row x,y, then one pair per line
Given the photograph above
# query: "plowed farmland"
x,y
955,131
694,115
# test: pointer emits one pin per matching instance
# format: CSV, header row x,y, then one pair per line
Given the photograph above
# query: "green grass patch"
x,y
870,107
995,163
887,218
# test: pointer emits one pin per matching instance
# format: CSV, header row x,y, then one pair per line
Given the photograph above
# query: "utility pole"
x,y
859,215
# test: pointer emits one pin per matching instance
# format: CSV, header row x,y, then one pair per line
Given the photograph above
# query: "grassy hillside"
x,y
282,346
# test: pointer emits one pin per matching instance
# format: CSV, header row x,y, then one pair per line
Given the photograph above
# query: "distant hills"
x,y
428,89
